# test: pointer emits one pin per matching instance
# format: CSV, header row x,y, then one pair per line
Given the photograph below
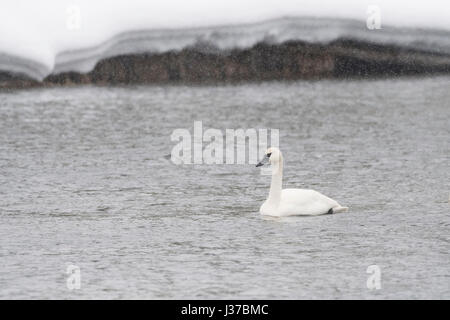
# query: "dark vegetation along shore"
x,y
287,61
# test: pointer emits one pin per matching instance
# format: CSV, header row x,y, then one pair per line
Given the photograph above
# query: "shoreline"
x,y
292,60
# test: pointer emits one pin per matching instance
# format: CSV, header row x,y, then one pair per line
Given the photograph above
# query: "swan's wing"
x,y
305,202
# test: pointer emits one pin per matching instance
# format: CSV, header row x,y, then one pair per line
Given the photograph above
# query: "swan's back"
x,y
304,202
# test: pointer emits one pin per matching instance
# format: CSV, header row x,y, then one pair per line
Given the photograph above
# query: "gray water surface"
x,y
85,180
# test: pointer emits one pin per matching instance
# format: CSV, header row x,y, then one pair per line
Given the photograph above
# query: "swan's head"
x,y
273,156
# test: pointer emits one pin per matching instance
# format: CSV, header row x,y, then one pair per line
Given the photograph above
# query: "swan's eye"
x,y
269,154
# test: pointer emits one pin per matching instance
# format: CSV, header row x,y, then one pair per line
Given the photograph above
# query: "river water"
x,y
85,180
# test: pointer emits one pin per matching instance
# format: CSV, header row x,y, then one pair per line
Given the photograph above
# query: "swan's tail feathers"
x,y
340,209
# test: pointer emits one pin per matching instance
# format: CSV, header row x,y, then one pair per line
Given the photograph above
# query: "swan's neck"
x,y
276,184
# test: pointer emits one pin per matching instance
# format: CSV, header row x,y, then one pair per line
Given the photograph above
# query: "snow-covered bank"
x,y
42,39
222,39
290,60
45,37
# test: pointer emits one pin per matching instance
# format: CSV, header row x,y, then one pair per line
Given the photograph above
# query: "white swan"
x,y
291,202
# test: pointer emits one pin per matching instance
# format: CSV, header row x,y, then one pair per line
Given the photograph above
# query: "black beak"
x,y
263,161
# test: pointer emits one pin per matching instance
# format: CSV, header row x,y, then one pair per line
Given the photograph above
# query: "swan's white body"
x,y
292,202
